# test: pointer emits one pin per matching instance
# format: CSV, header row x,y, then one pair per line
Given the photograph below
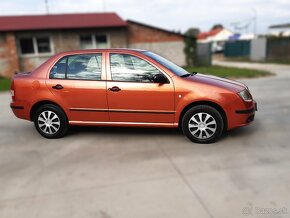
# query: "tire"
x,y
202,124
50,121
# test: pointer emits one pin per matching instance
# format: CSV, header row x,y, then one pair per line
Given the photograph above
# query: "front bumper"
x,y
249,111
243,117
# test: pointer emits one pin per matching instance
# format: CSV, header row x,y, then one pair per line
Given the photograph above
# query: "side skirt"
x,y
137,124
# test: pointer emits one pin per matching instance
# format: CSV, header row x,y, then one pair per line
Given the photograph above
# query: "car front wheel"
x,y
202,124
50,121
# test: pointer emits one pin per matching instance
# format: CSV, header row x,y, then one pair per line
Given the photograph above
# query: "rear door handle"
x,y
58,86
114,89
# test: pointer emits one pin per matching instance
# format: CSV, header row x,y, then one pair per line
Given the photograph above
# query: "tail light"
x,y
12,90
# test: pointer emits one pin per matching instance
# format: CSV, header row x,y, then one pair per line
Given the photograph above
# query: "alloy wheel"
x,y
48,122
202,125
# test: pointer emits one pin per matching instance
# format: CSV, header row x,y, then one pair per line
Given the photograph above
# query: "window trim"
x,y
66,57
110,72
35,47
94,41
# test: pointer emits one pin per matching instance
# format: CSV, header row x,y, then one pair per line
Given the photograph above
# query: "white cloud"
x,y
170,14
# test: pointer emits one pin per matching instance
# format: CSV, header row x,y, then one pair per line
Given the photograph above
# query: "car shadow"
x,y
245,131
125,130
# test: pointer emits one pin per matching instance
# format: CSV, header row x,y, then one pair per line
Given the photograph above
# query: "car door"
x,y
79,84
133,96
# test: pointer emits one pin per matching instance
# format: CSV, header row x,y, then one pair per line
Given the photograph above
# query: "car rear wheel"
x,y
202,124
50,121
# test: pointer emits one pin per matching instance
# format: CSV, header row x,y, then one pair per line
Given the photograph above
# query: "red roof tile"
x,y
60,21
213,32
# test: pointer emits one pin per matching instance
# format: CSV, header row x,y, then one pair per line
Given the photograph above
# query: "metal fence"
x,y
278,49
240,48
260,49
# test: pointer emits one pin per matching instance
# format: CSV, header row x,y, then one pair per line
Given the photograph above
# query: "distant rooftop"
x,y
60,21
205,35
279,26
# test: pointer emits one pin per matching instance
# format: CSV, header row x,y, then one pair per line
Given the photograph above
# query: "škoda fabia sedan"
x,y
123,87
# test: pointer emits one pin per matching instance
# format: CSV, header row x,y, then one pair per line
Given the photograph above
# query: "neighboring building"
x,y
242,36
27,41
280,30
217,37
168,44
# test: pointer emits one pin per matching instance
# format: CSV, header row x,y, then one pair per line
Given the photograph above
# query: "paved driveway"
x,y
152,173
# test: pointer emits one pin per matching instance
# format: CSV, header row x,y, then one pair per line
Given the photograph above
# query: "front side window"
x,y
131,69
177,70
35,45
80,67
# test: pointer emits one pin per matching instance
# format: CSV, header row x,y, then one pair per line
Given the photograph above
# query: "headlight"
x,y
245,95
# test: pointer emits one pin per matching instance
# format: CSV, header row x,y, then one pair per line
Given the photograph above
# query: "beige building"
x,y
27,41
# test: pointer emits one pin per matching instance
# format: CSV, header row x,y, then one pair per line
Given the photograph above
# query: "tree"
x,y
193,32
217,26
190,46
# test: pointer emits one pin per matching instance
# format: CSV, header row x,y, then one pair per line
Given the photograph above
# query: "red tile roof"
x,y
213,32
60,21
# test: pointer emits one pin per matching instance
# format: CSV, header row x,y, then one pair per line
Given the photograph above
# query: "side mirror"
x,y
160,78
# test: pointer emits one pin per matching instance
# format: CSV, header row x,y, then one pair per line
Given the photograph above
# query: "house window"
x,y
86,41
43,44
93,41
101,41
26,46
35,45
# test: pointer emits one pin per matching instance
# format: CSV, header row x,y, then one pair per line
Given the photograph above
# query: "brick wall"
x,y
164,43
8,55
141,34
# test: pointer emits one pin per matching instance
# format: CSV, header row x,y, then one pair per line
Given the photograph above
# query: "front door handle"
x,y
114,89
58,86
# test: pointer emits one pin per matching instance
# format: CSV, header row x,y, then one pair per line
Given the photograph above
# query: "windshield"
x,y
179,71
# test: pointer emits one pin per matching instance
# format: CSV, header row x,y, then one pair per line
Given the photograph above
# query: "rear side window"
x,y
79,67
59,69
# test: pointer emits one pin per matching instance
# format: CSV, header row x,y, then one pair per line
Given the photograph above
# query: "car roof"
x,y
100,50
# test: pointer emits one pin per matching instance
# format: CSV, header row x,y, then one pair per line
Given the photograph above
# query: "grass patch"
x,y
4,84
246,59
228,72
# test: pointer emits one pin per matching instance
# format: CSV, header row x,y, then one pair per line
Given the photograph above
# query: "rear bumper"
x,y
20,110
15,107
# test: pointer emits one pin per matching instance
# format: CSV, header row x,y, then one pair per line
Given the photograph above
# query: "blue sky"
x,y
170,14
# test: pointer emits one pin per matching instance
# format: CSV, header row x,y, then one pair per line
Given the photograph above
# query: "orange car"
x,y
123,87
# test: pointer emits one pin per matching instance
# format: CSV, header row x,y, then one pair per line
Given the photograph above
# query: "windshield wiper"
x,y
188,74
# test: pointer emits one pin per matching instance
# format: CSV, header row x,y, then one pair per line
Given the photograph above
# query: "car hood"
x,y
218,81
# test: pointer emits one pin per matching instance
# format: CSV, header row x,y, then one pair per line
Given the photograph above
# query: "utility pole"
x,y
104,5
46,6
255,21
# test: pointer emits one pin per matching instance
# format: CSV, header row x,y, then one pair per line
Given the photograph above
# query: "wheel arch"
x,y
39,104
209,103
